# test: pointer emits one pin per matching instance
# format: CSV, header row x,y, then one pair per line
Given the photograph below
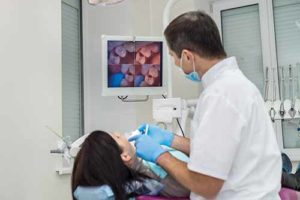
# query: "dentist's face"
x,y
176,60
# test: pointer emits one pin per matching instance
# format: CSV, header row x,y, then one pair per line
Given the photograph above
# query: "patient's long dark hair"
x,y
99,163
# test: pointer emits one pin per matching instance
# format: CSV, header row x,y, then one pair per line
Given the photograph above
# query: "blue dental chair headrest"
x,y
104,192
94,193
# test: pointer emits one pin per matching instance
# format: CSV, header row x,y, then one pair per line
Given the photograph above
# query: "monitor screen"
x,y
133,64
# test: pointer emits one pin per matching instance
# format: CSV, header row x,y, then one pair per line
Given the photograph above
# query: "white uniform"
x,y
232,137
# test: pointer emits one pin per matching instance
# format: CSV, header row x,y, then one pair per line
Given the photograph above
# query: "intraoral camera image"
x,y
134,64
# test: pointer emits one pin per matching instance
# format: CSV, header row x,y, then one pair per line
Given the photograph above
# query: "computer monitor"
x,y
133,66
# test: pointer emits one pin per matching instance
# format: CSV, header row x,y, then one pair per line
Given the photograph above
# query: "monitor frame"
x,y
125,91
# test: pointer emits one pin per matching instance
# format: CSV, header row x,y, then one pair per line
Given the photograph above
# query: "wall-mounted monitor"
x,y
133,66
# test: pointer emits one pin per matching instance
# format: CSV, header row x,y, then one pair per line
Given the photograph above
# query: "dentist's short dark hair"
x,y
195,31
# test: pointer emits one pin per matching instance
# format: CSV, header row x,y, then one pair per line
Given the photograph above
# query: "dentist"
x,y
232,147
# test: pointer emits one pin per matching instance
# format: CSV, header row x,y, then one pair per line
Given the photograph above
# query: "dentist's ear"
x,y
188,54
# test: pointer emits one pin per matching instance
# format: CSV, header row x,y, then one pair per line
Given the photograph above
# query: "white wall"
x,y
30,85
132,17
204,5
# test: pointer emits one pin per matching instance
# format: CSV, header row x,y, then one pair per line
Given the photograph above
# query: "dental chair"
x,y
289,194
96,193
158,198
285,194
104,192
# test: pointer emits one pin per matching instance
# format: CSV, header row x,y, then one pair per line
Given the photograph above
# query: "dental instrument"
x,y
272,111
282,110
266,84
292,111
129,135
136,132
146,130
298,82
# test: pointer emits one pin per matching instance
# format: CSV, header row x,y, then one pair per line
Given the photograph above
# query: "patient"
x,y
109,159
288,179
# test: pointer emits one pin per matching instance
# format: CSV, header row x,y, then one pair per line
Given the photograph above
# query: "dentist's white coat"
x,y
232,137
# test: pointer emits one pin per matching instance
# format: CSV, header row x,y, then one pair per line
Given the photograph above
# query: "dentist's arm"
x,y
148,149
181,144
201,184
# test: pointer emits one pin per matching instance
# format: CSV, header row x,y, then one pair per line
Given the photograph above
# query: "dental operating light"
x,y
104,2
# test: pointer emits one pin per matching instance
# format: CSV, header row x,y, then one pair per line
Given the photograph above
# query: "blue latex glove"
x,y
163,137
147,148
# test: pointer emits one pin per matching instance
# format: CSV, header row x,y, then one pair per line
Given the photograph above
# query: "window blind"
x,y
287,34
71,70
242,39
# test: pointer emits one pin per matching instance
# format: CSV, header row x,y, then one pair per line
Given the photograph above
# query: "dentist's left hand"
x,y
147,148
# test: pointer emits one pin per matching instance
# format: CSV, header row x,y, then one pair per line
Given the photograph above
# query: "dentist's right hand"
x,y
163,137
147,148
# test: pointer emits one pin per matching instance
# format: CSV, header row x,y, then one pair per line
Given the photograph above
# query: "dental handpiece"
x,y
131,134
137,132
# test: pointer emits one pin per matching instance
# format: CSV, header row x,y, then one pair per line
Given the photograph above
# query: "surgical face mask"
x,y
193,76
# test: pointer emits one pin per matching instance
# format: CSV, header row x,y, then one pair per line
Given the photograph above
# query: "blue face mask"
x,y
193,76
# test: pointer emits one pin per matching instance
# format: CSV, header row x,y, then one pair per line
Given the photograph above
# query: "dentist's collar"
x,y
210,76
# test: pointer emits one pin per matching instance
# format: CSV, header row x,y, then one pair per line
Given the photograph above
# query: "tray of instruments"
x,y
282,92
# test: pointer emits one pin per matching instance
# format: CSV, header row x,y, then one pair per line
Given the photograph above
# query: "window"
x,y
265,34
242,38
72,73
287,34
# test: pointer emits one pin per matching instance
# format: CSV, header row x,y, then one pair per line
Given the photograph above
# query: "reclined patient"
x,y
109,160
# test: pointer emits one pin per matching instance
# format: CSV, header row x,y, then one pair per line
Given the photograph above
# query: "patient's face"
x,y
124,144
